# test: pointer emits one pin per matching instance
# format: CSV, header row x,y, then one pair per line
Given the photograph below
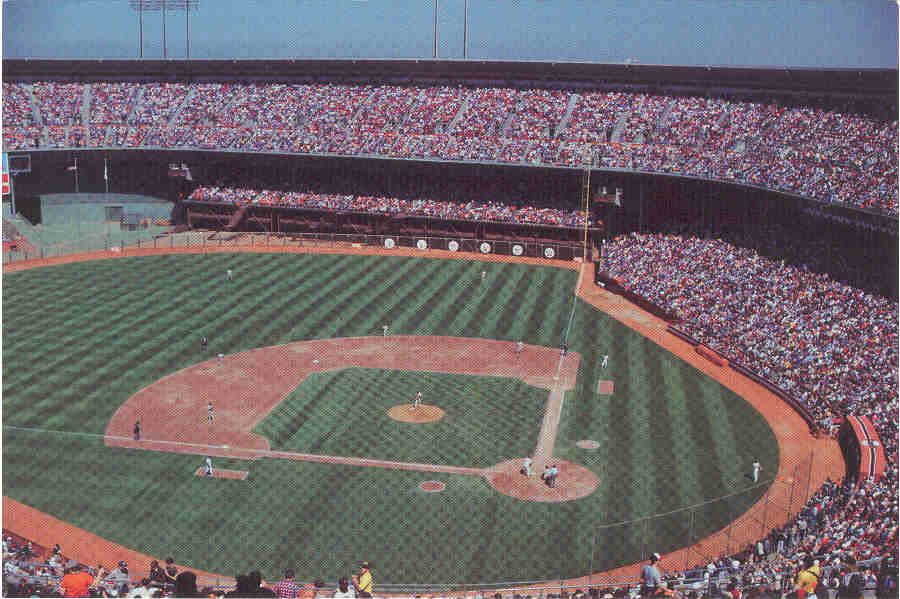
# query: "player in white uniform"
x,y
519,347
605,361
209,471
417,400
228,274
526,466
756,468
221,357
483,275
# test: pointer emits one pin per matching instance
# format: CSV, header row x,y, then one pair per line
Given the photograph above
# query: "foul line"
x,y
237,452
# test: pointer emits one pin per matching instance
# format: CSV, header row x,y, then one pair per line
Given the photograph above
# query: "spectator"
x,y
76,582
363,583
287,587
343,591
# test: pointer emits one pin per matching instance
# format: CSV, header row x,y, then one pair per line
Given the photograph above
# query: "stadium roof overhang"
x,y
869,82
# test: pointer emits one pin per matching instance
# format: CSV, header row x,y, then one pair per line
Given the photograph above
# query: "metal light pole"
x,y
435,27
187,30
141,27
465,27
164,26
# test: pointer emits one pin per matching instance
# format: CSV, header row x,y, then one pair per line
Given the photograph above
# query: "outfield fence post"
x,y
690,541
730,526
809,474
762,530
591,568
791,499
171,241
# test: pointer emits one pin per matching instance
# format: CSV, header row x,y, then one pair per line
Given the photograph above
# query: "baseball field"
x,y
90,347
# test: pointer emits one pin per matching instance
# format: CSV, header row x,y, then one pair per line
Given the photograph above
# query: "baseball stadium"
x,y
447,328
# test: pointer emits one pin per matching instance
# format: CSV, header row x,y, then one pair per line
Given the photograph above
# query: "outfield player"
x,y
756,468
483,275
203,343
209,471
228,274
605,361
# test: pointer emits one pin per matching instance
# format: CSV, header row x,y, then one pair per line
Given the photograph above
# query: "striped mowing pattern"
x,y
79,339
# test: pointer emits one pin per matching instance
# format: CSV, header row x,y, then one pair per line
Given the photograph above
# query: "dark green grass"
x,y
487,419
79,339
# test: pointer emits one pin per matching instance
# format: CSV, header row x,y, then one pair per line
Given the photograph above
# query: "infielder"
x,y
526,466
519,347
209,411
209,471
756,468
137,430
221,357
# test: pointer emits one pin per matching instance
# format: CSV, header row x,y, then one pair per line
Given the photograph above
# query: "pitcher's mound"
x,y
574,481
423,413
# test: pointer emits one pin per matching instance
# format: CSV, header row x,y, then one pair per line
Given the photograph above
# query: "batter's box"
x,y
222,473
604,387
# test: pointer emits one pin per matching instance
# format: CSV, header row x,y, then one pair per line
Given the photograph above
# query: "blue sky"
x,y
852,33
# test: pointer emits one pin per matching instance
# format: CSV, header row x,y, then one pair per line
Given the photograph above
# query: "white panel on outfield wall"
x,y
389,243
453,246
518,250
485,247
422,244
549,252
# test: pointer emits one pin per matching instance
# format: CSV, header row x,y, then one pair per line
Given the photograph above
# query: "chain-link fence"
x,y
93,237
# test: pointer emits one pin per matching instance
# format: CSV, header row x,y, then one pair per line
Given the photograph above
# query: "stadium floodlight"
x,y
164,6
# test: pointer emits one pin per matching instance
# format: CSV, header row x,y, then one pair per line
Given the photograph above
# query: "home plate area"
x,y
222,473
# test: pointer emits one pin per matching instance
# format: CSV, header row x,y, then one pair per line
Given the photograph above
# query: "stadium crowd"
x,y
475,211
837,156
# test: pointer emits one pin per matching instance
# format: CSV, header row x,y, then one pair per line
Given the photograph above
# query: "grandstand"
x,y
755,216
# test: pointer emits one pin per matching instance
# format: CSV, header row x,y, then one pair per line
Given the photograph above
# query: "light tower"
x,y
163,6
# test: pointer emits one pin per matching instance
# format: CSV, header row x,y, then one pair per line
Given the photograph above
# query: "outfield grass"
x,y
79,339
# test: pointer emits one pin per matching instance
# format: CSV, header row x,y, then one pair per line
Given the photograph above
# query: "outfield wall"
x,y
67,208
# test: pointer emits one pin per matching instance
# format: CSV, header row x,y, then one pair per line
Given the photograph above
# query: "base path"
x,y
247,386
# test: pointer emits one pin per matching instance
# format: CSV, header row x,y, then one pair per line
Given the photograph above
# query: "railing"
x,y
123,241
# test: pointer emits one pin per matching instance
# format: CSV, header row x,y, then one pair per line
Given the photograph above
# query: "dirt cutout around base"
x,y
573,482
432,486
222,473
587,444
405,412
604,387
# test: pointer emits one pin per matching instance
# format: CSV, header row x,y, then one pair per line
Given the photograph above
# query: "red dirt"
x,y
605,387
248,385
796,444
406,412
432,486
574,481
222,473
